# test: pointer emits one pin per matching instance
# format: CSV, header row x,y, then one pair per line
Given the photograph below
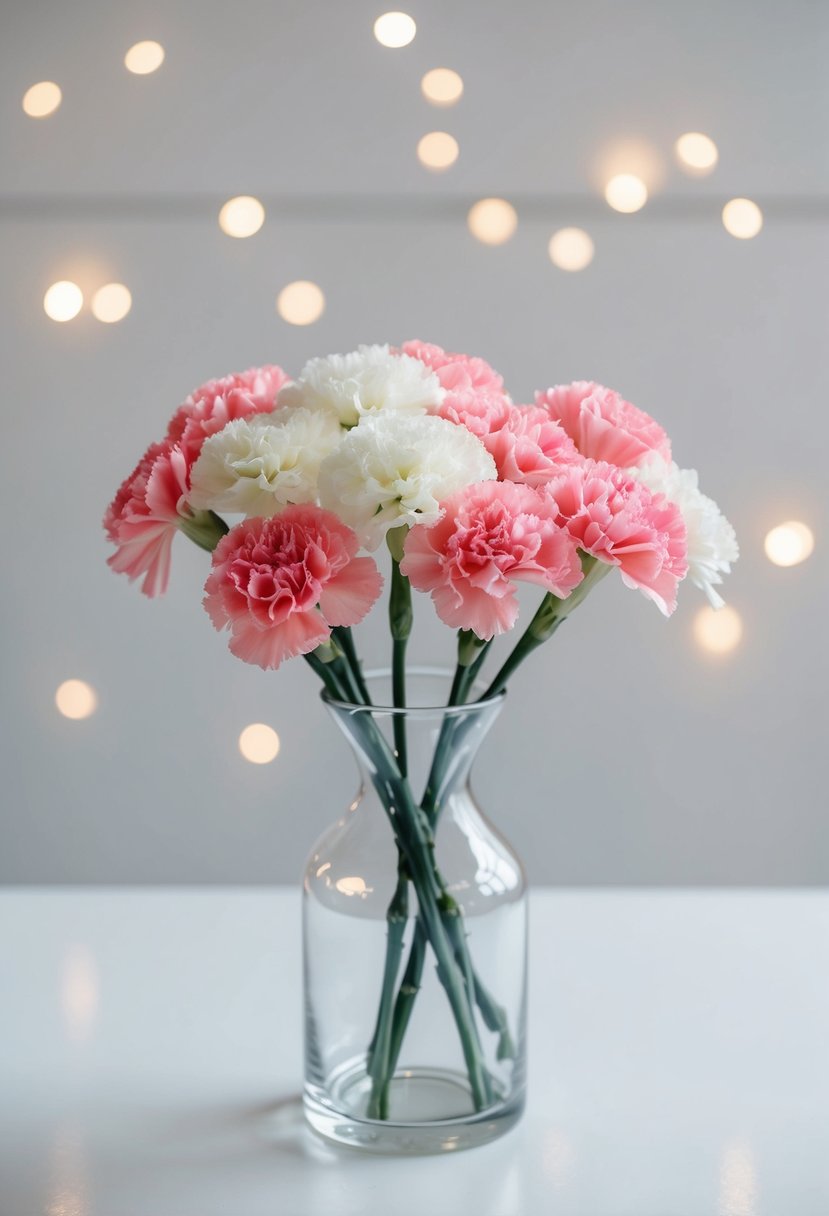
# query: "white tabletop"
x,y
150,1062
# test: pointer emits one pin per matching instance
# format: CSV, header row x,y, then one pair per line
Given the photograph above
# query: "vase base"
x,y
430,1111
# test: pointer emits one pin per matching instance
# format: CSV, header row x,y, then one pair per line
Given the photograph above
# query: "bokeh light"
x,y
259,743
438,151
626,192
696,152
76,699
63,300
790,543
241,216
742,218
571,249
718,630
111,303
394,30
300,303
42,99
442,87
492,220
144,57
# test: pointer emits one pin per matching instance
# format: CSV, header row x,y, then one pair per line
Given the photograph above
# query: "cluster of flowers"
x,y
486,493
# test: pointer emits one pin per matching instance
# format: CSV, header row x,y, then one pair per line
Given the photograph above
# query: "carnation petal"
x,y
268,648
270,574
603,425
348,596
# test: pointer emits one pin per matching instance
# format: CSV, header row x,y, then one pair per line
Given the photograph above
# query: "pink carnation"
x,y
491,535
209,408
619,521
281,583
475,396
145,514
529,447
603,425
148,509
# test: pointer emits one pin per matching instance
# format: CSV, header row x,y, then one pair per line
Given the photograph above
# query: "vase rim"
x,y
414,711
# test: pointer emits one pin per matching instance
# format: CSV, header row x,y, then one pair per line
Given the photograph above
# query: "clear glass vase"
x,y
415,926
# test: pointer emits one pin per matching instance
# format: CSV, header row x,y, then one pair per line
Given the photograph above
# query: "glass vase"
x,y
415,927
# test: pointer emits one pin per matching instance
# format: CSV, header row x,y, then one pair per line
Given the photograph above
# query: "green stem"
x,y
400,623
415,841
378,1065
345,639
409,988
204,528
551,612
549,616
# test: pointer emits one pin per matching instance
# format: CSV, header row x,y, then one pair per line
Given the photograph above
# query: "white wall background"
x,y
626,755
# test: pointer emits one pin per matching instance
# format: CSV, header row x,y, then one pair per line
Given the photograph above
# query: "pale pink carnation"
x,y
280,584
619,521
474,392
209,408
144,517
490,536
603,425
529,447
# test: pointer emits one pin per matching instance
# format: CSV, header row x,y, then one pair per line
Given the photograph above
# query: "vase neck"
x,y
432,748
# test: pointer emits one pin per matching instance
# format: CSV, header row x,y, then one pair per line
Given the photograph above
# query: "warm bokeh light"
x,y
300,303
492,220
626,192
241,216
438,150
259,743
144,57
111,303
742,218
571,249
394,30
718,630
442,87
626,157
789,543
42,99
76,699
696,152
63,300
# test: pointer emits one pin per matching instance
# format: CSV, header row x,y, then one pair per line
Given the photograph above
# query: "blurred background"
x,y
634,750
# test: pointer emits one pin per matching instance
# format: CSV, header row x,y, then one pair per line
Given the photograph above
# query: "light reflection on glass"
x,y
79,992
495,874
353,885
738,1180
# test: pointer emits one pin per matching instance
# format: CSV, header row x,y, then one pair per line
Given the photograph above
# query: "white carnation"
x,y
395,469
369,380
257,465
712,542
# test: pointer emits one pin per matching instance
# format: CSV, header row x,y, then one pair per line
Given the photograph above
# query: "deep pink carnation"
x,y
621,522
144,516
475,396
209,408
603,425
490,535
529,447
281,583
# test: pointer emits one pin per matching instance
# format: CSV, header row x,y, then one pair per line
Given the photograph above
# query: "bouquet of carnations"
x,y
426,452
